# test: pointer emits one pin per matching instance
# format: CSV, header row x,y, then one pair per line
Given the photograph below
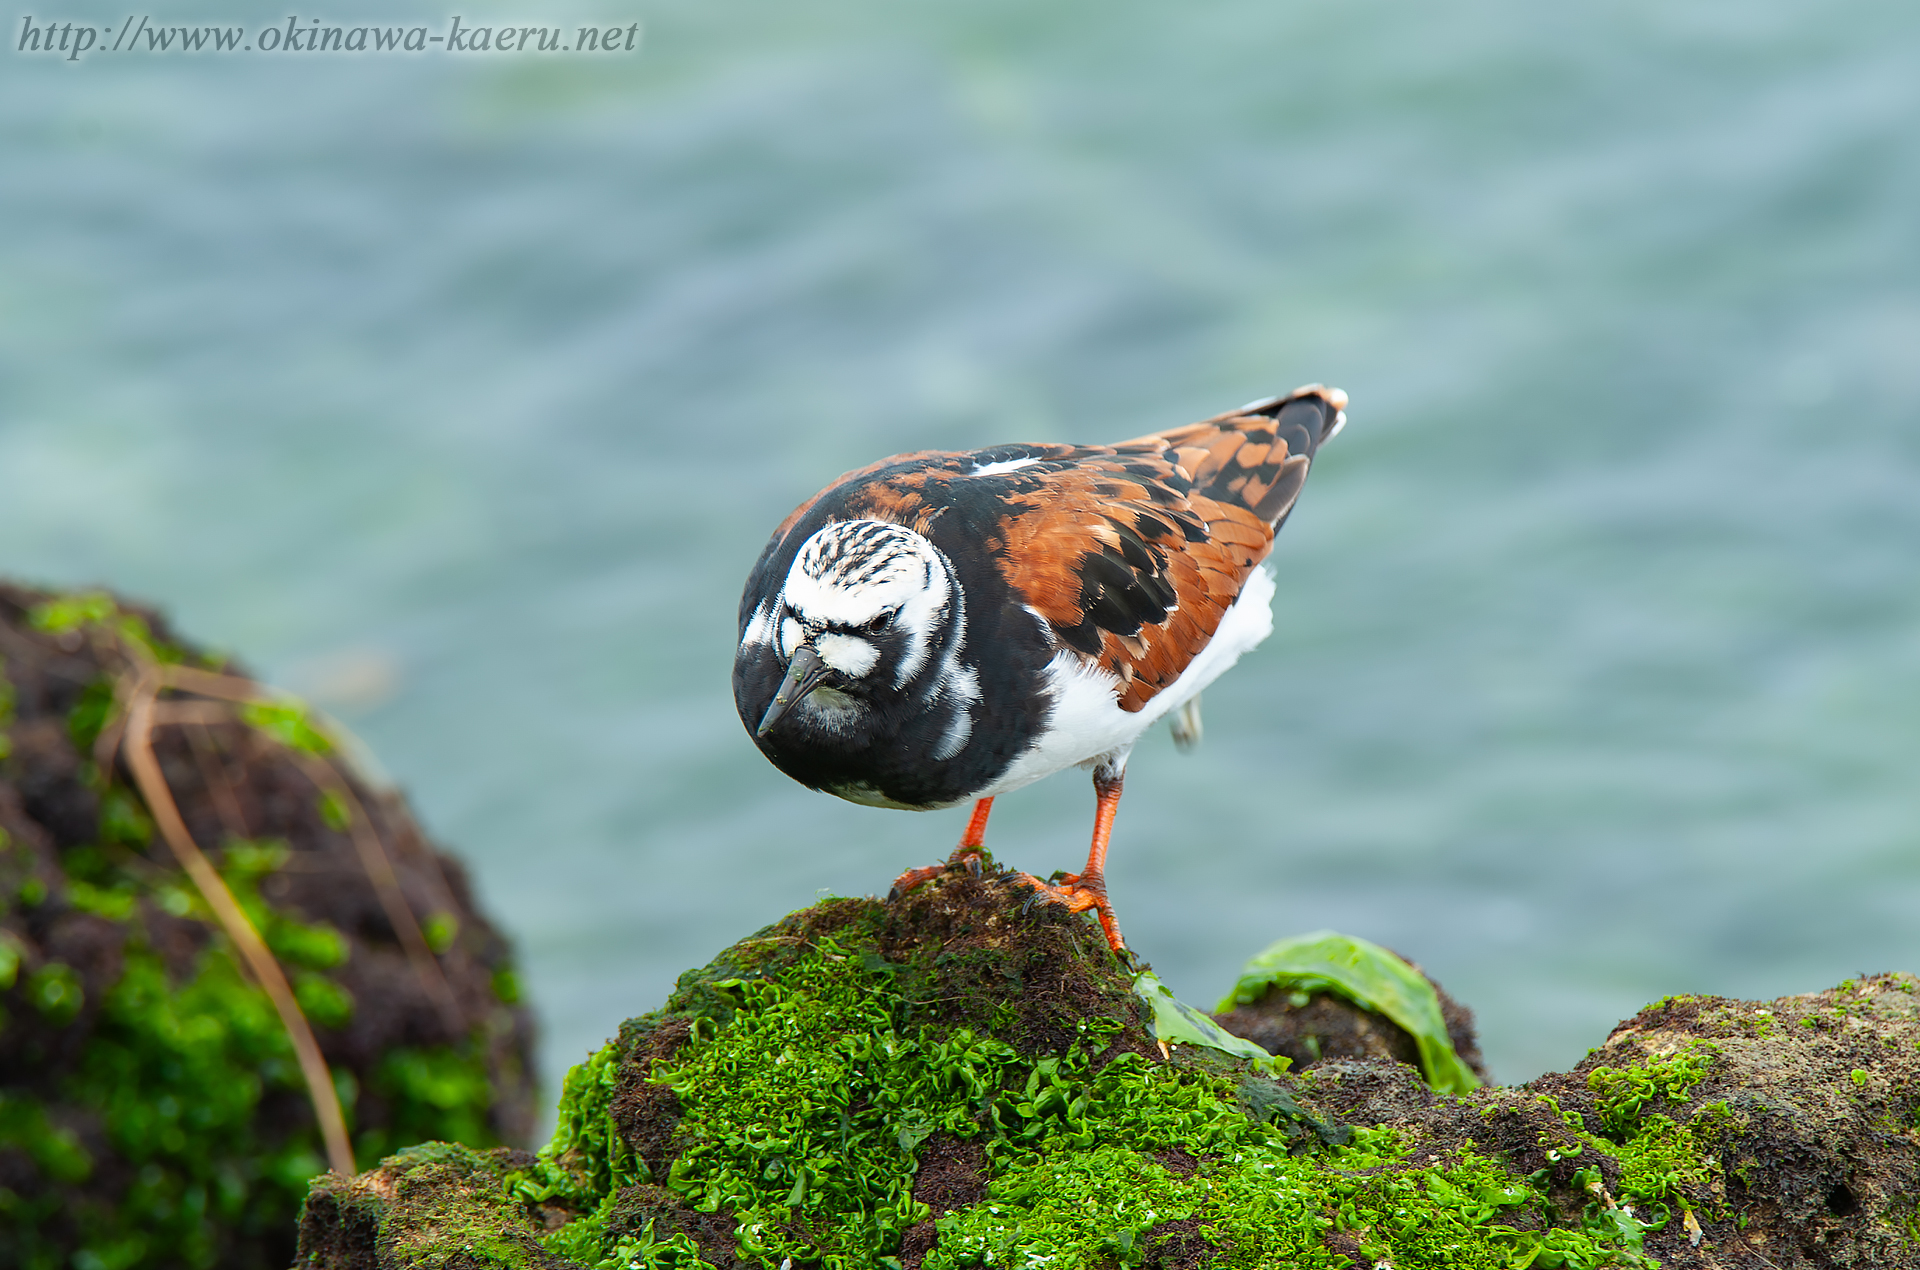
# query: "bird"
x,y
944,627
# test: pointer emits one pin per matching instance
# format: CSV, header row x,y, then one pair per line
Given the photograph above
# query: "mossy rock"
x,y
151,1109
949,1081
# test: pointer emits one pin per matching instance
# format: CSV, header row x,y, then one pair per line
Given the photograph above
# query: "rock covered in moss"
x,y
947,1082
434,1205
1743,1133
151,1111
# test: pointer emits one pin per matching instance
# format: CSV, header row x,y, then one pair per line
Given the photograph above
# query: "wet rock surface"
x,y
150,1109
1704,1132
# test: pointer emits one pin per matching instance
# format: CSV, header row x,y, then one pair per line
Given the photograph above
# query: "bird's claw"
x,y
911,878
1045,893
1076,894
970,857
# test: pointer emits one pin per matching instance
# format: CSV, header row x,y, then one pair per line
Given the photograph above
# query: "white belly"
x,y
1087,723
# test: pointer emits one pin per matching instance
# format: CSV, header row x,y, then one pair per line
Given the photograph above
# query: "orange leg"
x,y
1087,889
968,853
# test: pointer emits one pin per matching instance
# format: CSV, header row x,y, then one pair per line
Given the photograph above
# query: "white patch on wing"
x,y
759,627
955,738
959,689
848,654
1004,465
1086,723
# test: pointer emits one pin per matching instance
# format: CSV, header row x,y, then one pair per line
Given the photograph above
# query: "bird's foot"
x,y
969,858
912,878
1077,894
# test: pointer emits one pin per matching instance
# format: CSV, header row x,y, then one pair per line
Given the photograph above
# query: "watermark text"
x,y
138,33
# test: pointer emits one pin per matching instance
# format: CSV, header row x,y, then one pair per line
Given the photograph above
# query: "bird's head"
x,y
865,611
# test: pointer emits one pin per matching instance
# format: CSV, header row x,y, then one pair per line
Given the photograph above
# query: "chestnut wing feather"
x,y
1127,576
1134,552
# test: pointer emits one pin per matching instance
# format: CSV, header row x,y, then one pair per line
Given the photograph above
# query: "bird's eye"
x,y
881,621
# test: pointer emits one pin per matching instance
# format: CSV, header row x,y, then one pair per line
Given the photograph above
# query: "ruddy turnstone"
x,y
943,627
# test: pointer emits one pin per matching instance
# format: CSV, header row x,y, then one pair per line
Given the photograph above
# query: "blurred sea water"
x,y
460,393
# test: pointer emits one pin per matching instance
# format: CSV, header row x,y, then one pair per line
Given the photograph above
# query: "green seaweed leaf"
x,y
1370,977
1177,1023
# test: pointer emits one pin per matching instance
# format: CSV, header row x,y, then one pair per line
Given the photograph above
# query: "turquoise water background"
x,y
460,392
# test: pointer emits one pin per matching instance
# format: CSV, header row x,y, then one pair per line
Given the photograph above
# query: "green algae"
x,y
1367,975
8,702
1662,1160
70,612
468,1225
175,1075
9,950
826,1098
1622,1093
689,1141
434,1091
1664,1163
178,1066
153,1104
440,930
290,722
1261,1204
89,715
1177,1023
56,991
54,1148
82,610
333,810
806,1088
1030,1208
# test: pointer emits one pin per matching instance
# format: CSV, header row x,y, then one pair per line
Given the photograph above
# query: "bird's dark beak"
x,y
804,674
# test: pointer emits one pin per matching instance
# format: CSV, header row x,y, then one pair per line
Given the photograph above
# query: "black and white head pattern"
x,y
882,607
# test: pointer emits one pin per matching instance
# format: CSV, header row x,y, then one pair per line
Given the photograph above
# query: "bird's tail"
x,y
1256,457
